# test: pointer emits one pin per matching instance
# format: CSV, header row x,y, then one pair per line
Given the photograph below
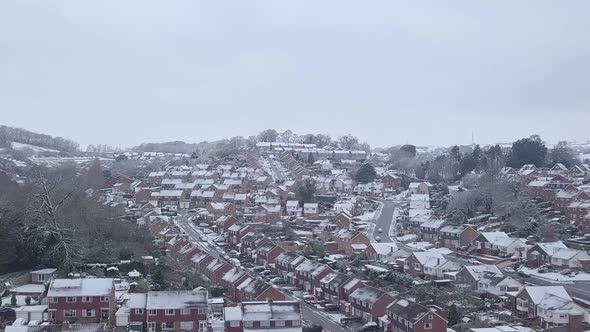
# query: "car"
x,y
509,269
203,238
278,281
309,299
265,273
370,327
207,231
523,274
331,307
473,261
192,210
380,230
377,238
258,268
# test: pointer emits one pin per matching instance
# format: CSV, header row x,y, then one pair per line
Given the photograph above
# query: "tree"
x,y
563,154
366,173
28,300
305,190
269,135
217,292
310,158
13,299
348,142
409,150
314,248
528,151
121,157
453,316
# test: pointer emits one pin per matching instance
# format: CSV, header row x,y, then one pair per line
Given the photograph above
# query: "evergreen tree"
x,y
13,299
366,174
310,159
453,316
28,300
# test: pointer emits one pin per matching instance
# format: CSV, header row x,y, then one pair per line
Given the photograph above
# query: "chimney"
x,y
576,320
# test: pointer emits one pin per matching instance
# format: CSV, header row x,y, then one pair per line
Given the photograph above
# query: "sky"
x,y
389,72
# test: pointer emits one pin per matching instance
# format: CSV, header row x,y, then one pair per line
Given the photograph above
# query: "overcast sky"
x,y
422,72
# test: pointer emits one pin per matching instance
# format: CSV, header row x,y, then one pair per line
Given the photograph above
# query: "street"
x,y
315,317
386,220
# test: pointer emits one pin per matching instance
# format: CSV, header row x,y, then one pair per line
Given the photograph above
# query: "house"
x,y
267,254
549,306
430,230
382,251
408,316
176,310
221,209
223,223
419,188
369,303
273,316
258,290
42,276
488,279
332,286
311,210
557,254
454,237
293,208
82,300
350,242
308,275
390,181
286,262
430,264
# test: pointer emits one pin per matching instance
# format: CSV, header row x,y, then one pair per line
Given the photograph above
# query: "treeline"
x,y
56,219
457,162
228,147
11,134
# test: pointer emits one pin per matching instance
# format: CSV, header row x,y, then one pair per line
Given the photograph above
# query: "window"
x,y
88,313
104,299
186,326
139,311
562,315
86,299
169,312
428,326
265,323
152,312
53,300
185,312
248,323
40,277
279,323
234,323
70,299
296,323
69,313
168,326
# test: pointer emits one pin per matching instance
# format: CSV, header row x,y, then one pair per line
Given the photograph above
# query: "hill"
x,y
21,139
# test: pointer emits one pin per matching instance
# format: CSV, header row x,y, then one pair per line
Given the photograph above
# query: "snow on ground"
x,y
420,245
407,238
554,276
37,149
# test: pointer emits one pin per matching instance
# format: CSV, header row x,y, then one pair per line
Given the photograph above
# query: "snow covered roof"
x,y
137,300
266,311
232,313
176,299
80,287
44,271
540,293
429,259
367,294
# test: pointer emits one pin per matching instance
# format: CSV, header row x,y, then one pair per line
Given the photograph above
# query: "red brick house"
x,y
408,316
454,237
258,290
176,311
230,282
286,263
369,303
267,254
223,223
260,316
82,300
332,286
390,181
221,209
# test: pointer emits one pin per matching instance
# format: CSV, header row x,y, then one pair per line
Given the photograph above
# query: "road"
x,y
315,317
183,221
386,220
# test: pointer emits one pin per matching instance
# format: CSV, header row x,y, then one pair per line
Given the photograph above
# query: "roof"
x,y
176,299
367,294
429,259
29,288
137,300
232,313
276,310
80,287
479,271
44,271
539,293
409,310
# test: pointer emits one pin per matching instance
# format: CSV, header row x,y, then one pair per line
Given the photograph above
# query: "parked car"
x,y
370,327
309,299
258,268
509,269
331,307
523,274
377,238
380,230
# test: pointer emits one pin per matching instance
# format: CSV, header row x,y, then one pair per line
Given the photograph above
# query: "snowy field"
x,y
36,149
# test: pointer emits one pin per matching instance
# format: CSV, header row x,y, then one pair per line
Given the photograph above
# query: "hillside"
x,y
21,139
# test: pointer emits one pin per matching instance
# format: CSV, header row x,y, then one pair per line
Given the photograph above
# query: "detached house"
x,y
557,254
431,264
454,237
